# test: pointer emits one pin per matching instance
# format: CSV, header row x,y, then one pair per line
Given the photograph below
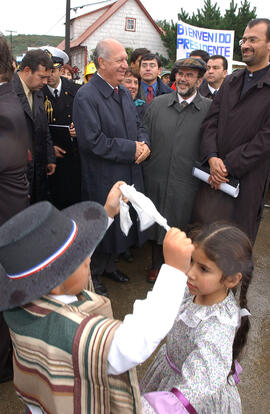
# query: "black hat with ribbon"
x,y
40,247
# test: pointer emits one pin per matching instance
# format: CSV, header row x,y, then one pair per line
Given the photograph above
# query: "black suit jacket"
x,y
65,184
14,143
42,146
205,91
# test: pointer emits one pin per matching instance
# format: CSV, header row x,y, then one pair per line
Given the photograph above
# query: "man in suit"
x,y
34,73
151,84
216,72
14,143
59,93
112,145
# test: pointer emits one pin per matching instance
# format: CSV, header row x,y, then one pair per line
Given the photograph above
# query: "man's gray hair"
x,y
103,50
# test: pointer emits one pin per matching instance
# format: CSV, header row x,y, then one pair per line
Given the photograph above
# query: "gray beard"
x,y
188,93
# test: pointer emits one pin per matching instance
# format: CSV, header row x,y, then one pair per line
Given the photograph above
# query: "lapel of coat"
x,y
129,113
20,92
174,102
104,88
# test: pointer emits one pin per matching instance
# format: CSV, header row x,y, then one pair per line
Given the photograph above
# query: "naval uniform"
x,y
65,184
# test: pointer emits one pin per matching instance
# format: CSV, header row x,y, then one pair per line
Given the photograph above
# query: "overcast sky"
x,y
48,16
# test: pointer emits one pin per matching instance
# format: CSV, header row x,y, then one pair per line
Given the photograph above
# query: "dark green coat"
x,y
175,141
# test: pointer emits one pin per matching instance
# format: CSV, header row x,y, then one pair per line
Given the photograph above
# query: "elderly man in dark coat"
x,y
173,122
112,145
236,137
34,72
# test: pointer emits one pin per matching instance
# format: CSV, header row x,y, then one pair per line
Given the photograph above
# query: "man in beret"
x,y
173,121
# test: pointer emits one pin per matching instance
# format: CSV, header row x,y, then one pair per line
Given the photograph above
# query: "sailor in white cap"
x,y
58,101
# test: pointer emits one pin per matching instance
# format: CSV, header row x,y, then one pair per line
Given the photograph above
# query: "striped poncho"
x,y
60,357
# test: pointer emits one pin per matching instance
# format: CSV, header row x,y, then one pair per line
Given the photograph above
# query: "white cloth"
x,y
145,208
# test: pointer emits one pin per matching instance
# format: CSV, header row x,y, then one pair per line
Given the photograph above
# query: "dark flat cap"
x,y
191,63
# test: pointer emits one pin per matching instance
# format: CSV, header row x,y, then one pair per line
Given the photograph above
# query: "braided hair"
x,y
231,250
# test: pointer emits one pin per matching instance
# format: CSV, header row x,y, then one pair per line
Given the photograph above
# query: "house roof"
x,y
108,12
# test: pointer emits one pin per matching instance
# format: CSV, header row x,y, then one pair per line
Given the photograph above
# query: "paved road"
x,y
255,380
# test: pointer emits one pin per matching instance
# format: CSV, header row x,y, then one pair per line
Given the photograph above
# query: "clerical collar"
x,y
59,87
189,100
257,74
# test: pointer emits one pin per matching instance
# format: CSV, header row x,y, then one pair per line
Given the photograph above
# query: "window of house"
x,y
130,24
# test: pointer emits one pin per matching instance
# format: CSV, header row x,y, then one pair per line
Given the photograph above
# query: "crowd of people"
x,y
65,151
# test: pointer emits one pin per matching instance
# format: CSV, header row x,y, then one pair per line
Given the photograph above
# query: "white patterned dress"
x,y
197,358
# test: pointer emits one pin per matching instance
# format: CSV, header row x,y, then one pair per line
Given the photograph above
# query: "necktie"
x,y
150,95
183,104
56,93
30,99
115,90
214,93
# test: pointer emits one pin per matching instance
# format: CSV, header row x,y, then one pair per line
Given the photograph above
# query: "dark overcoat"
x,y
65,183
107,127
14,143
42,146
205,91
175,140
14,188
237,129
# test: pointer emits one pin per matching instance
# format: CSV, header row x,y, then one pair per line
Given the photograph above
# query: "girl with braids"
x,y
196,370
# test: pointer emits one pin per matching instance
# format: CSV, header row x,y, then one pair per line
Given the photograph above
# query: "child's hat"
x,y
41,247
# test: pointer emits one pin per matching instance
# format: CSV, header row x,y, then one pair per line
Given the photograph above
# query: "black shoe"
x,y
99,287
117,276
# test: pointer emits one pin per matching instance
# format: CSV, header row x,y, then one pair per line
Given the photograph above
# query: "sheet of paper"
x,y
225,187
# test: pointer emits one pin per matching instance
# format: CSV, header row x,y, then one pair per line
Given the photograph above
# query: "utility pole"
x,y
10,33
67,31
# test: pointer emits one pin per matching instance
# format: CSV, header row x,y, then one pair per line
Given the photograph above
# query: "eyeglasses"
x,y
187,75
251,40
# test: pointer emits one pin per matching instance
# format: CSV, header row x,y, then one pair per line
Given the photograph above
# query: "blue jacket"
x,y
161,90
